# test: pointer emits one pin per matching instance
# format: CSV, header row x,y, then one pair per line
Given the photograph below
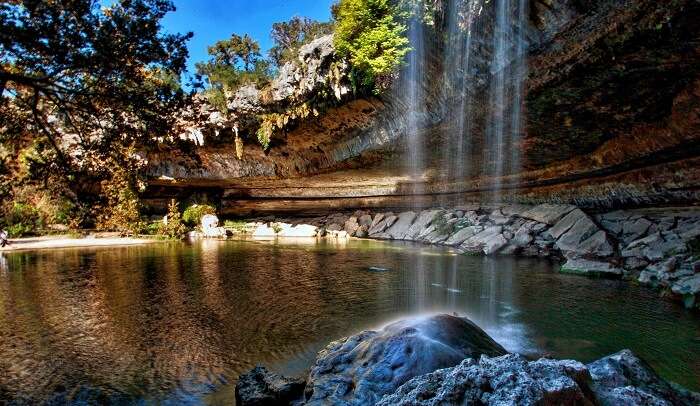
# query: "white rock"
x,y
210,227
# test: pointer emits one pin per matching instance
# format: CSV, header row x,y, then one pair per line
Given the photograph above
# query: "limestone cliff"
x,y
612,102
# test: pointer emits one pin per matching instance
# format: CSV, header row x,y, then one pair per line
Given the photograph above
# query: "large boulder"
x,y
548,213
381,222
591,268
260,387
505,380
298,231
401,225
360,369
488,241
624,379
210,227
424,219
688,289
462,235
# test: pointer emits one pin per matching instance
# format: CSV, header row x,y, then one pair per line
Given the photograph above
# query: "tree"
x,y
372,35
289,36
234,62
95,74
172,226
236,50
92,82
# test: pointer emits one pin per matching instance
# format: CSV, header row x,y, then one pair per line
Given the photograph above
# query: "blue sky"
x,y
212,20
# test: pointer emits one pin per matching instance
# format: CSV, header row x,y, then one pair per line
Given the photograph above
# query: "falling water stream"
x,y
416,104
505,93
484,67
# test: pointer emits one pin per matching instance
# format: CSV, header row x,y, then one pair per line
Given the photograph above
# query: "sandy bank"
x,y
36,243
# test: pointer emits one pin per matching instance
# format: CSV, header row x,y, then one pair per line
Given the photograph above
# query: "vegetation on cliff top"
x,y
370,35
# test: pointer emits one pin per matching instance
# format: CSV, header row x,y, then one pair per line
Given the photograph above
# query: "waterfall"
x,y
458,51
508,66
484,68
415,104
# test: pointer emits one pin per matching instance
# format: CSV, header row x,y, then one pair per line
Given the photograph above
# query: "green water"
x,y
178,323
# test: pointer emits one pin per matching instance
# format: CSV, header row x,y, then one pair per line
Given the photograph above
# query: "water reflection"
x,y
180,322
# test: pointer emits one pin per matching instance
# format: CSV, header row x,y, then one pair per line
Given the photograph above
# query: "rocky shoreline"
x,y
656,248
446,360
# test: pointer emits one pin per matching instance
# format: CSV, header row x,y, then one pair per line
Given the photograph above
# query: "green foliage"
x,y
194,213
273,122
238,226
173,227
290,36
372,35
234,62
23,219
73,66
33,208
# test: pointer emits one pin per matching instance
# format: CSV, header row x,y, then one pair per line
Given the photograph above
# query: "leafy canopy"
x,y
372,34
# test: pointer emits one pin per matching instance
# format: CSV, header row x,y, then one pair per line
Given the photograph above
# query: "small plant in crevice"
x,y
442,224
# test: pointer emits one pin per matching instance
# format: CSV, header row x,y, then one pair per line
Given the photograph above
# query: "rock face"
x,y
260,387
360,369
624,379
588,140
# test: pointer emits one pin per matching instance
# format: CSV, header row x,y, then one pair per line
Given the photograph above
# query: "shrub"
x,y
194,213
372,35
23,219
122,212
173,226
238,226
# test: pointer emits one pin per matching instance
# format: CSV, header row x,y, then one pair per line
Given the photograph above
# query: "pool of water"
x,y
177,323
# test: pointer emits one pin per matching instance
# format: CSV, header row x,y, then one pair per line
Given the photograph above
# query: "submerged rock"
x,y
260,387
360,369
591,268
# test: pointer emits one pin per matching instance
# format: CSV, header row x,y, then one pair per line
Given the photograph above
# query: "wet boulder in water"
x,y
260,387
624,379
360,369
